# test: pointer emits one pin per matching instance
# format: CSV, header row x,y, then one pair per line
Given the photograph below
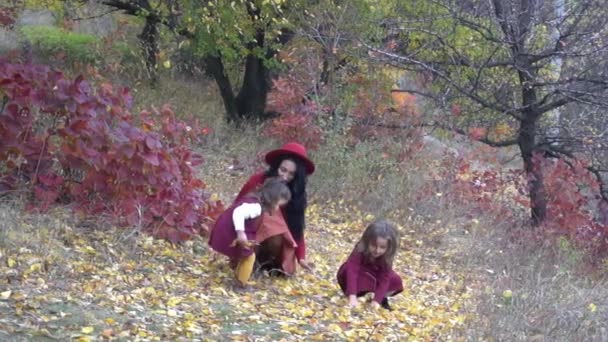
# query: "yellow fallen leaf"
x,y
90,250
87,330
220,290
173,301
293,330
109,320
19,296
35,267
11,262
350,334
5,295
334,328
307,312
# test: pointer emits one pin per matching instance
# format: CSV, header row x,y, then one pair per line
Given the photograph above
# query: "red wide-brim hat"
x,y
291,149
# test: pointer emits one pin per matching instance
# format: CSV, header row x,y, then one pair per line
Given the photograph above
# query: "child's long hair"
x,y
271,192
296,207
383,229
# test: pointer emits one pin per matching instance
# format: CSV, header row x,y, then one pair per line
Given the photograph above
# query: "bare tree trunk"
x,y
524,14
554,116
149,42
536,187
251,100
215,67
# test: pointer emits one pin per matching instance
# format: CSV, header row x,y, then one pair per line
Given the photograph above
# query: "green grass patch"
x,y
49,42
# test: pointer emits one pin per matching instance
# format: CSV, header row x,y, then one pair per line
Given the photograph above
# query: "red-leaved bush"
x,y
575,209
480,191
7,16
574,206
380,112
67,141
296,120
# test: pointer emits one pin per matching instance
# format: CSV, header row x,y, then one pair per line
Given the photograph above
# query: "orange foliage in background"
x,y
296,114
378,111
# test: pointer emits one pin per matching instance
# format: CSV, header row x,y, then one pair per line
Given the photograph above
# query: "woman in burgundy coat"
x,y
283,242
236,230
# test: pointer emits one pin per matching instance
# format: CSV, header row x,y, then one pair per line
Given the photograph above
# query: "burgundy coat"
x,y
223,233
254,183
358,275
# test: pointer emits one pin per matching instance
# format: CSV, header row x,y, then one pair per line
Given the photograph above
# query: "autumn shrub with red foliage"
x,y
574,204
64,140
478,191
380,112
7,16
296,114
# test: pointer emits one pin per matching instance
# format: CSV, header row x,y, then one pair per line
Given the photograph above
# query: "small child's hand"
x,y
353,301
306,265
241,239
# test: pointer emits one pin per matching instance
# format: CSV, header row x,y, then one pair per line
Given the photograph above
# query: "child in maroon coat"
x,y
369,266
235,230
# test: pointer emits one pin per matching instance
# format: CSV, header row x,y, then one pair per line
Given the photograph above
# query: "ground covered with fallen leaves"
x,y
91,285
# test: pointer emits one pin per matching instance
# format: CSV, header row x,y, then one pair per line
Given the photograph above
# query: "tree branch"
x,y
557,151
425,66
436,124
127,6
134,8
603,187
96,16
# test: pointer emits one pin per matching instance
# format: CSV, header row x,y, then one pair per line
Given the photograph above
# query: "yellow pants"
x,y
244,269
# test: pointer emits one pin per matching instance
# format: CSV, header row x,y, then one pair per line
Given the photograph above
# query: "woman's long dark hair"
x,y
296,207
